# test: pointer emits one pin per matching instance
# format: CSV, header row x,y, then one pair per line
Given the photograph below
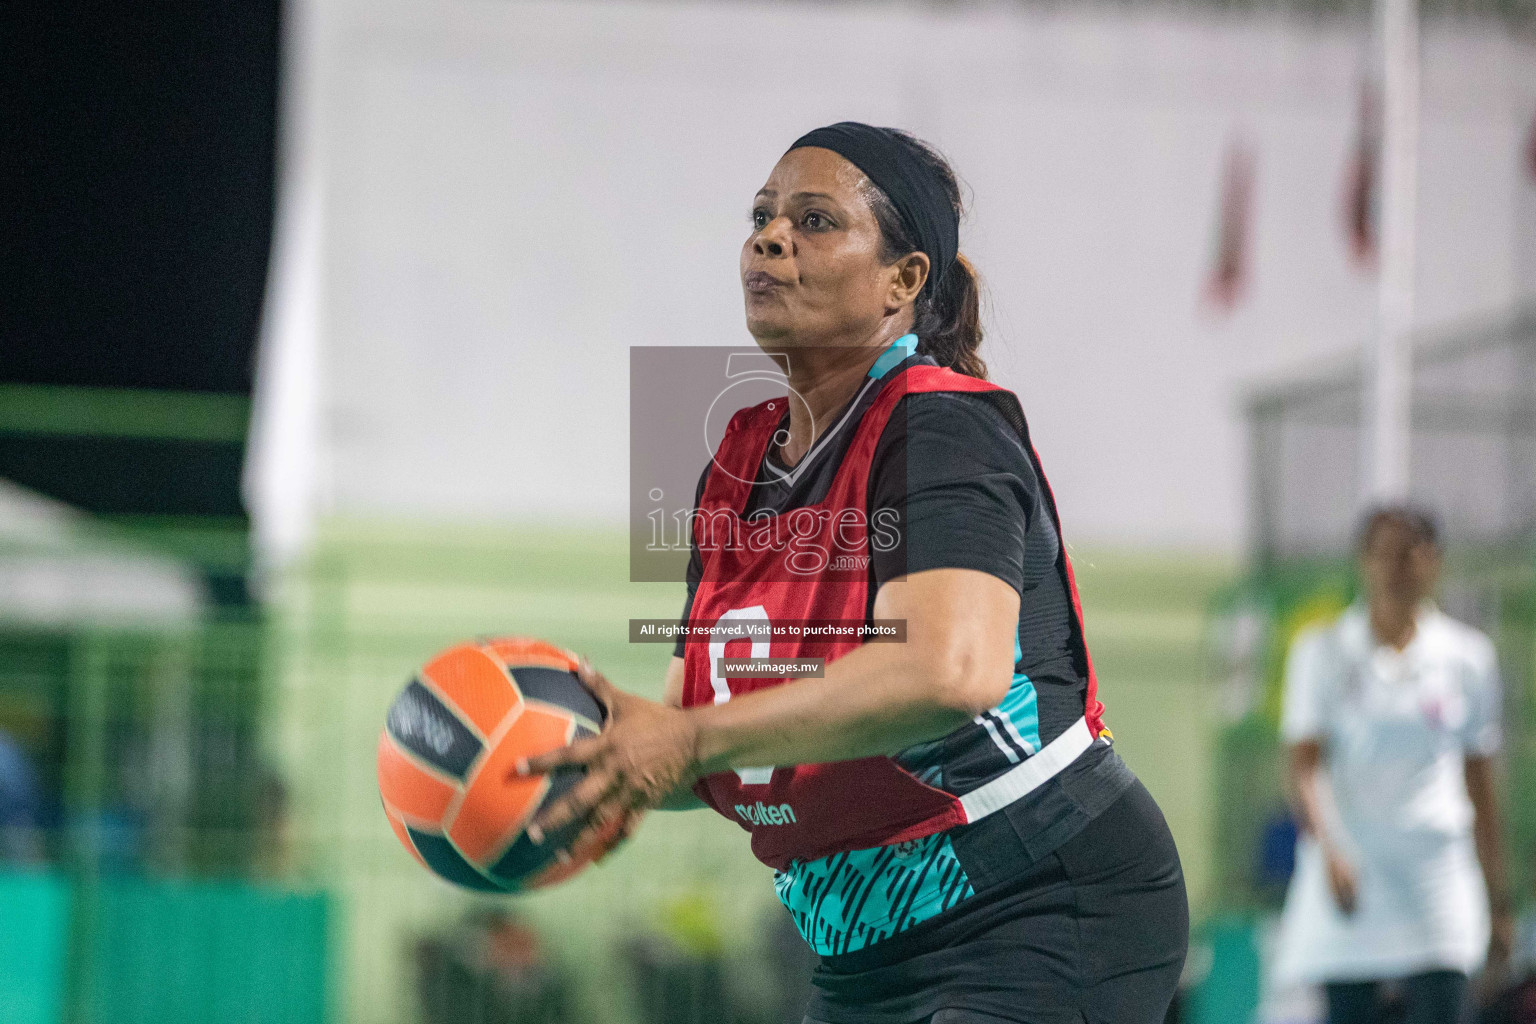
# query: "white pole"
x,y
1391,365
286,471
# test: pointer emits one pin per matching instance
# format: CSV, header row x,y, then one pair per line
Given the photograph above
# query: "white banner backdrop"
x,y
488,203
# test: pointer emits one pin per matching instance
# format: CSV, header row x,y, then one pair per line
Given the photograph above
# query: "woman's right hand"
x,y
1342,882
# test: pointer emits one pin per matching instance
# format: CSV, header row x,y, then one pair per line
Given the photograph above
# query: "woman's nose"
x,y
772,240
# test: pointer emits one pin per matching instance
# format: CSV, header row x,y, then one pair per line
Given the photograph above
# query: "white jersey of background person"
x,y
1395,727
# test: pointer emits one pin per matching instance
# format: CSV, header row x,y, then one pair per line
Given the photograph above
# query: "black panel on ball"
x,y
442,858
559,687
525,857
424,725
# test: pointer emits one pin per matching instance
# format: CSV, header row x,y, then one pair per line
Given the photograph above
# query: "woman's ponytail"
x,y
947,314
950,328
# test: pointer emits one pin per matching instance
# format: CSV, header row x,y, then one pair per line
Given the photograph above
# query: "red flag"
x,y
1229,272
1361,191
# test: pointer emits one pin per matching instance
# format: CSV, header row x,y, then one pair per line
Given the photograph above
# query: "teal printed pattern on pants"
x,y
850,900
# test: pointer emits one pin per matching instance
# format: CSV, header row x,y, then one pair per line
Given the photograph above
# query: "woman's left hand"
x,y
645,753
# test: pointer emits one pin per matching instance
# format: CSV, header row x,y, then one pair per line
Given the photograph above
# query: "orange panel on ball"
x,y
517,651
475,685
412,789
498,803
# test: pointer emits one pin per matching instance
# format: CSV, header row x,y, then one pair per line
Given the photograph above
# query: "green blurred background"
x,y
314,317
297,903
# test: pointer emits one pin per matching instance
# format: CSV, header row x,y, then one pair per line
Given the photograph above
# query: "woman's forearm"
x,y
956,662
1307,793
683,798
1487,829
878,699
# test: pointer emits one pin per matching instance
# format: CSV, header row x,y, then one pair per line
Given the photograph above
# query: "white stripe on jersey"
x,y
1013,731
986,723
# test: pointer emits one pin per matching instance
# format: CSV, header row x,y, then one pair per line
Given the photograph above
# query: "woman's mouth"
x,y
760,281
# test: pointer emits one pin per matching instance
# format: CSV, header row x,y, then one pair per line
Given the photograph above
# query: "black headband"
x,y
890,162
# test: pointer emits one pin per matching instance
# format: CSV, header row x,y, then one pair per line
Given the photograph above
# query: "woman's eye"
x,y
759,219
814,221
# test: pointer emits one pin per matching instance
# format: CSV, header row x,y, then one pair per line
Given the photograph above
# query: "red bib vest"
x,y
796,567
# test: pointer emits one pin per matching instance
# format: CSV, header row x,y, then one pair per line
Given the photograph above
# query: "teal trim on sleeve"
x,y
1020,710
1018,716
1020,713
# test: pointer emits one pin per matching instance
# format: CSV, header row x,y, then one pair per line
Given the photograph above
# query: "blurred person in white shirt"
x,y
1392,720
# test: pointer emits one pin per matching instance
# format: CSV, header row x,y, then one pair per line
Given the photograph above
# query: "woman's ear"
x,y
910,274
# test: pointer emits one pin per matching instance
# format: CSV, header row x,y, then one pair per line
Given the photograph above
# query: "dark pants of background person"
x,y
1434,997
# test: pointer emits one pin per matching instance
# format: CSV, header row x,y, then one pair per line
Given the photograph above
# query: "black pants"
x,y
1434,997
1094,932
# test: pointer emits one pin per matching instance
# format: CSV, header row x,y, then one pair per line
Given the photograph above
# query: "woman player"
x,y
950,827
1392,717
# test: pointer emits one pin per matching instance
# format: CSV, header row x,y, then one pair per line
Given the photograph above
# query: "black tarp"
x,y
137,174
